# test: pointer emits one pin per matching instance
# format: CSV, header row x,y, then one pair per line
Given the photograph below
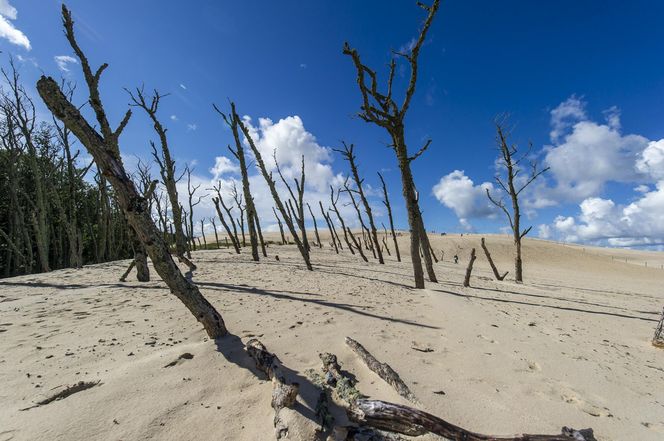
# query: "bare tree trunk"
x,y
334,201
203,233
105,150
493,266
347,152
358,246
469,268
233,238
259,230
216,235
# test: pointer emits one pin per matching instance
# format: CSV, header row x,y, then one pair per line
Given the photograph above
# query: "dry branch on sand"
x,y
67,391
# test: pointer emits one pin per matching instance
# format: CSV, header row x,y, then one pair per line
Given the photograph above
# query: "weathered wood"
x,y
496,274
658,338
469,268
124,276
414,422
383,370
311,212
358,246
106,152
283,394
329,227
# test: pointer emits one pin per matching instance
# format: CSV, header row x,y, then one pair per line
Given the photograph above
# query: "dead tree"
x,y
259,230
191,191
381,109
320,244
228,210
220,200
386,202
493,265
363,227
349,155
203,233
513,188
105,150
334,199
329,227
301,243
281,227
469,268
232,120
166,168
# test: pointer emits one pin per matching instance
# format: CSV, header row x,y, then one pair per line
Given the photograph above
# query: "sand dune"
x,y
570,346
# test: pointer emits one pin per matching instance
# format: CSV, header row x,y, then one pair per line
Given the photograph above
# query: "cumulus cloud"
x,y
651,160
565,115
458,192
7,30
63,60
604,222
222,166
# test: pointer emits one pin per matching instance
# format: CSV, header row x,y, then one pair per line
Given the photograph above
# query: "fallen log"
x,y
413,422
383,370
469,269
123,278
283,394
493,266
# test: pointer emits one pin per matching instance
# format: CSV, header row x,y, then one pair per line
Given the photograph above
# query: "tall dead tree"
x,y
363,227
386,202
166,168
232,121
496,274
239,203
334,199
320,244
105,150
349,155
259,230
232,235
381,109
216,234
513,187
296,203
260,163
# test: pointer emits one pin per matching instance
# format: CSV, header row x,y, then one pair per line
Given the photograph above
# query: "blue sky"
x,y
583,80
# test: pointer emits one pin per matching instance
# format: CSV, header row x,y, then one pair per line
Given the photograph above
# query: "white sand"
x,y
571,346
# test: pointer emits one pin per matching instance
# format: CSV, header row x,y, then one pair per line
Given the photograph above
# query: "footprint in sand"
x,y
587,407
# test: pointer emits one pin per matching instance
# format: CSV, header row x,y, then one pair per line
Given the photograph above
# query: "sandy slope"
x,y
571,346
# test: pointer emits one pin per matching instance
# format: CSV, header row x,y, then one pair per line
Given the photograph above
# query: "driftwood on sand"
x,y
283,394
414,422
383,370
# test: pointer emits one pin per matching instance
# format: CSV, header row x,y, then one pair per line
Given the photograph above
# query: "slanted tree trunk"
x,y
358,246
301,243
259,230
105,150
658,338
348,153
203,233
469,268
493,265
216,235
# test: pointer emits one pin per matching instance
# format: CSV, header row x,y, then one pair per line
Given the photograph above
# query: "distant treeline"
x,y
50,216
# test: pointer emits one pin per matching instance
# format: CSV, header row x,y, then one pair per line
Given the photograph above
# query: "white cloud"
x,y
458,192
565,115
222,166
603,222
63,60
192,127
174,118
651,160
183,87
590,155
8,30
